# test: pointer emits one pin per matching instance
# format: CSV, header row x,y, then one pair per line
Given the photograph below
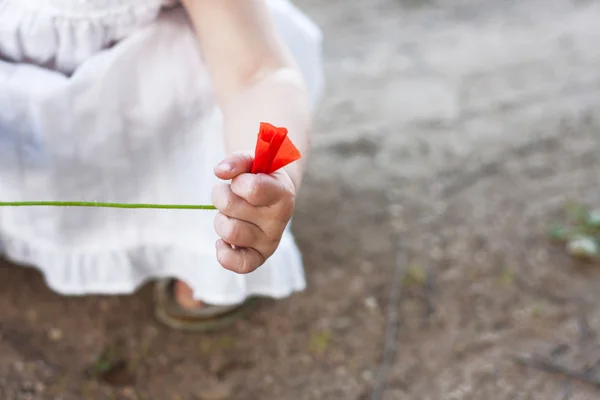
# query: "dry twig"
x,y
547,365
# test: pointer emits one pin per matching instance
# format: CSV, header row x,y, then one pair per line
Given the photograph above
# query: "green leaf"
x,y
508,276
415,276
559,232
319,342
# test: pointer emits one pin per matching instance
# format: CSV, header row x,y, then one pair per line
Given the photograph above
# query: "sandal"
x,y
207,318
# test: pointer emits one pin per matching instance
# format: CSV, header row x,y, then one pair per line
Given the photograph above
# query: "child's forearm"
x,y
278,97
253,73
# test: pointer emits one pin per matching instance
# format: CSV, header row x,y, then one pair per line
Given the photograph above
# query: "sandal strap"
x,y
209,317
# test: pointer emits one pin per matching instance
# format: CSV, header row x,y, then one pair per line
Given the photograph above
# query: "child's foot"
x,y
176,307
184,295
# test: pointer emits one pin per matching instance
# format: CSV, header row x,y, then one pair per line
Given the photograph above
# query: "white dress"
x,y
109,100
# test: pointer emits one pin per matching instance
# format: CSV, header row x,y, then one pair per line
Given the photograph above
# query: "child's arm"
x,y
255,80
253,73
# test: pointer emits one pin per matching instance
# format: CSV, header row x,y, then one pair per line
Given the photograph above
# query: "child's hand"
x,y
253,213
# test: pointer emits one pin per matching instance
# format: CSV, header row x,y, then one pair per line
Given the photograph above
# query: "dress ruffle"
x,y
61,34
123,269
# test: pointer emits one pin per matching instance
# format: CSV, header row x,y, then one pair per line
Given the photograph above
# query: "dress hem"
x,y
122,271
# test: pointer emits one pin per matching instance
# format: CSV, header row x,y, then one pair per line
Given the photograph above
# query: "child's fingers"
x,y
237,232
240,260
232,205
234,165
260,190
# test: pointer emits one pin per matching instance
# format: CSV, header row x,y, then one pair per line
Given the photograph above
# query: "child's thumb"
x,y
234,164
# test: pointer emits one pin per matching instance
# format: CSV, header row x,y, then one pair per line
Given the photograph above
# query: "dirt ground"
x,y
451,136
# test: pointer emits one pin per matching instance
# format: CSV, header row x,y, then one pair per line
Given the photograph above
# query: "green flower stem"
x,y
106,205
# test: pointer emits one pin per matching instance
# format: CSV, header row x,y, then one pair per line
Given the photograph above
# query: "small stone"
x,y
268,380
55,334
129,393
216,391
39,387
368,375
371,303
19,366
583,247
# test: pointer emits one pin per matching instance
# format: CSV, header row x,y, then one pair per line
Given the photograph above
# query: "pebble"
x,y
371,303
129,393
216,391
55,334
368,375
584,247
19,366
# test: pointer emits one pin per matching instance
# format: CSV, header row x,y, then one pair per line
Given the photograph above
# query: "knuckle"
x,y
226,228
285,209
256,187
223,259
274,240
223,198
232,231
288,204
272,233
250,261
228,202
242,267
245,267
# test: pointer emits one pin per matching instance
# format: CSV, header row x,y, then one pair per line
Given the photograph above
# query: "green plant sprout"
x,y
581,234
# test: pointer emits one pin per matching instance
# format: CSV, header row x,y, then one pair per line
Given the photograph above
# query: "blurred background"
x,y
454,134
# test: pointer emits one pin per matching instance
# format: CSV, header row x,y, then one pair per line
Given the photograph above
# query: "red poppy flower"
x,y
274,149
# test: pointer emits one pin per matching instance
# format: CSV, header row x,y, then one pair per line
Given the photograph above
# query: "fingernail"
x,y
225,167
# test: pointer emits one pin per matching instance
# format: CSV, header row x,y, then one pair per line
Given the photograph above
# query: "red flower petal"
x,y
274,149
288,153
261,157
276,141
